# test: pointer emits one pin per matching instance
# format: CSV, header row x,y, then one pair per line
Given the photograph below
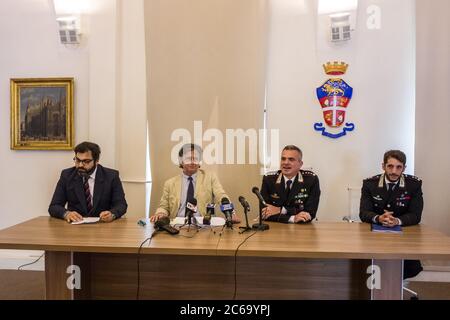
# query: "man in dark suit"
x,y
292,195
88,189
393,198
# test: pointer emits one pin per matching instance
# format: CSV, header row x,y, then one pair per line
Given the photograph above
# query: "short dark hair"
x,y
396,154
88,146
189,147
293,147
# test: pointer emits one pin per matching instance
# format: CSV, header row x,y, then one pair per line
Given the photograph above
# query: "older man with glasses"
x,y
191,183
88,189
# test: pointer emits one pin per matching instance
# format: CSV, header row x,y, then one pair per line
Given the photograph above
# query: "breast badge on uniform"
x,y
404,197
334,96
302,195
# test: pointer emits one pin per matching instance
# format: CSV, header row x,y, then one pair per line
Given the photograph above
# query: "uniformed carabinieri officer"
x,y
393,198
292,195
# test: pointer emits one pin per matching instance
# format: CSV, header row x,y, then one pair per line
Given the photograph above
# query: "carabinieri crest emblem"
x,y
334,96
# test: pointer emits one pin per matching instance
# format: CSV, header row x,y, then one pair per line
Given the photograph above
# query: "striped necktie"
x,y
87,194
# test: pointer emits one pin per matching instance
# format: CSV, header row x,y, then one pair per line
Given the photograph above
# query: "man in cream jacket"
x,y
193,182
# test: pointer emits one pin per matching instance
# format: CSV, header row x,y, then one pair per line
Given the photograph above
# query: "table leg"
x,y
387,280
67,275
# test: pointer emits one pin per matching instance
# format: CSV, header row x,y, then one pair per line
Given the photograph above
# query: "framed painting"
x,y
42,114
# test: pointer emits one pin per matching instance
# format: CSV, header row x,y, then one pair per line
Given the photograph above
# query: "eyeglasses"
x,y
190,161
84,162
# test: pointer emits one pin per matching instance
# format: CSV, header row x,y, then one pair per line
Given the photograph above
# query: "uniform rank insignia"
x,y
334,96
301,196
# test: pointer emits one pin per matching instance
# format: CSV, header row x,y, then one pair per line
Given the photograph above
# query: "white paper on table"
x,y
215,221
87,220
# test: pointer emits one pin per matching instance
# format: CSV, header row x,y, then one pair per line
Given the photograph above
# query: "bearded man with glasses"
x,y
88,189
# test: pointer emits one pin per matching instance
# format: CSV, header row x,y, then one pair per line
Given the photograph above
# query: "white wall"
x,y
433,110
131,117
381,72
30,48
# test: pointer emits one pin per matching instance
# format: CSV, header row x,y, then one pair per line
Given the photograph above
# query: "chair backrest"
x,y
354,196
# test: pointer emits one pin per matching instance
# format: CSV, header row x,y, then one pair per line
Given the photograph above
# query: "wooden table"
x,y
322,260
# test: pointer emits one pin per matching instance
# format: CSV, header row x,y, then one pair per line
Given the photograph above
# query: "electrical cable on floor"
x,y
138,263
29,264
235,263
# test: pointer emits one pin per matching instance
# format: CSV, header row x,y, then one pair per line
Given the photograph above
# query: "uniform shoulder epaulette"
x,y
308,173
272,173
408,176
376,177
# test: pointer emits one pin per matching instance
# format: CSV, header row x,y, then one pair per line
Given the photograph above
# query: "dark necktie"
x,y
87,194
190,191
390,190
391,187
288,187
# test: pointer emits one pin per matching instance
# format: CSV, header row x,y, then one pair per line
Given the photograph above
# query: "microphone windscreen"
x,y
225,201
163,221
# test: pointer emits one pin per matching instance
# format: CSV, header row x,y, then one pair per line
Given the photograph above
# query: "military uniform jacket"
x,y
304,194
405,201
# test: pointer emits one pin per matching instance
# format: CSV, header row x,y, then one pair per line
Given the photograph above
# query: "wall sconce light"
x,y
340,27
69,29
342,18
68,16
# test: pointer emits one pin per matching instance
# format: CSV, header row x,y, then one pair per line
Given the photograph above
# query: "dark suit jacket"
x,y
304,195
108,194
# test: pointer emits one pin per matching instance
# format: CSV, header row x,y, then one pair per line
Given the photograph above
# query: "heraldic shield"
x,y
334,96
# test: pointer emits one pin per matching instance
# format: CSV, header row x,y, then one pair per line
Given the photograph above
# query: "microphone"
x,y
244,203
255,190
348,219
260,226
227,208
209,212
246,210
163,223
191,209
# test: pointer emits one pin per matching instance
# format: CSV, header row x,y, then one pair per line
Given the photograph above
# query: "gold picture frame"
x,y
42,114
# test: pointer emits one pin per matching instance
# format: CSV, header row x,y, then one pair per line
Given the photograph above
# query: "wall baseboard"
x,y
432,276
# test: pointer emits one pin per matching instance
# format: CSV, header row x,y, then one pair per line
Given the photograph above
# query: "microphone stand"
x,y
188,221
247,227
260,226
229,222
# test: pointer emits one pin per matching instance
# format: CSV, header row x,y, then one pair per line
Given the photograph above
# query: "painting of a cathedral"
x,y
43,114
